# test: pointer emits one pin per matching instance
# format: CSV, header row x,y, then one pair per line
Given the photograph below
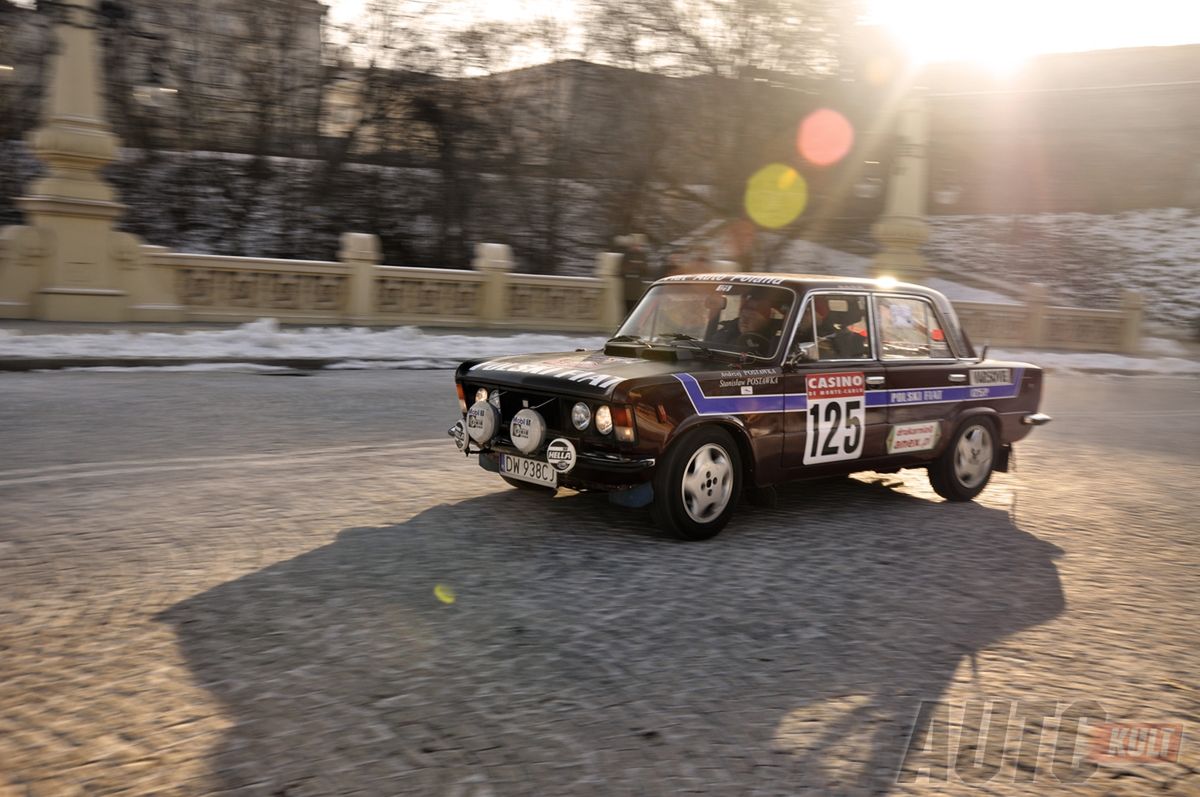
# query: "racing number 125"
x,y
825,442
835,417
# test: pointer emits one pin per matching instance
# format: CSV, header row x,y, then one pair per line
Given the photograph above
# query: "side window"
x,y
909,329
839,324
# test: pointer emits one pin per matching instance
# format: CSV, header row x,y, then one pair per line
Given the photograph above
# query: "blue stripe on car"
x,y
796,402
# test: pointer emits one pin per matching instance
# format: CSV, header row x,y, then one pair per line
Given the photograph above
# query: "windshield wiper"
x,y
628,339
696,344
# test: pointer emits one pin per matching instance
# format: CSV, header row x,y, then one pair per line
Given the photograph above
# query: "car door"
x,y
836,400
923,375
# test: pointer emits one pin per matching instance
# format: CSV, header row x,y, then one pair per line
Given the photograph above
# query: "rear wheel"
x,y
696,485
965,467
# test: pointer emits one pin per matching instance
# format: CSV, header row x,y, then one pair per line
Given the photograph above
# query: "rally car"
x,y
719,385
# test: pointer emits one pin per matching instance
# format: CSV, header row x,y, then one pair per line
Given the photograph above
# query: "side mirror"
x,y
803,353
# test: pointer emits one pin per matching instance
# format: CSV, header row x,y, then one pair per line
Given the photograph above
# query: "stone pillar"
x,y
1037,299
902,229
72,207
495,262
612,303
360,253
1132,307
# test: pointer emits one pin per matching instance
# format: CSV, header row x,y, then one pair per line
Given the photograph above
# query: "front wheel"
x,y
964,468
697,484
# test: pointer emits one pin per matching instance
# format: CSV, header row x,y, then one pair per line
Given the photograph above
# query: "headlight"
x,y
604,419
581,416
481,394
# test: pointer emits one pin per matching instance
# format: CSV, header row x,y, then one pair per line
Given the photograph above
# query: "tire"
x,y
962,471
523,485
697,484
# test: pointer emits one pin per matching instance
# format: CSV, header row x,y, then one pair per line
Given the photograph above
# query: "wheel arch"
x,y
971,414
731,424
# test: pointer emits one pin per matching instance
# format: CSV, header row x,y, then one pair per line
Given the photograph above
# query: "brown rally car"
x,y
720,384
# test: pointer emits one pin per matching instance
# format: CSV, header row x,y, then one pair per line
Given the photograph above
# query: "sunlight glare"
x,y
825,137
1001,36
776,195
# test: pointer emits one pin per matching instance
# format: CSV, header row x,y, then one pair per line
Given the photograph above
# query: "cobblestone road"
x,y
226,584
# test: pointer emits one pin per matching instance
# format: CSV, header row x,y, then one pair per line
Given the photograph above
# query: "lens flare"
x,y
444,594
825,137
775,195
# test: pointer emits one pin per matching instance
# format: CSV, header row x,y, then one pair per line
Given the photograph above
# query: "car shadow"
x,y
516,644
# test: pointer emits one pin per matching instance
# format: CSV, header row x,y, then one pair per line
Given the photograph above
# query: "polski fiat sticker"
x,y
835,419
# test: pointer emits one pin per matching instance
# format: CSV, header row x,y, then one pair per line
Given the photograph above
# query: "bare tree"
x,y
740,77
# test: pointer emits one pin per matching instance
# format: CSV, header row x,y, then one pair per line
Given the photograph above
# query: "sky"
x,y
1000,34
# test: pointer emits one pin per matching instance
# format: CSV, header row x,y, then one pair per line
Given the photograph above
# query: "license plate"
x,y
528,470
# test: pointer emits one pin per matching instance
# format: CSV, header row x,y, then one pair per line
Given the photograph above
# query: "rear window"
x,y
909,329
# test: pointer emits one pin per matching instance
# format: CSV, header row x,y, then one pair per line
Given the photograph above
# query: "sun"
x,y
1003,35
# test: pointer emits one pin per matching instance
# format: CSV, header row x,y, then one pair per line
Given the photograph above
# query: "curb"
x,y
25,364
409,363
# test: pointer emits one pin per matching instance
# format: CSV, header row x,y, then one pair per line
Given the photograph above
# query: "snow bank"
x,y
263,339
413,349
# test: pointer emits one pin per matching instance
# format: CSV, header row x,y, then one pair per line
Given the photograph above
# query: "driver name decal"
x,y
835,418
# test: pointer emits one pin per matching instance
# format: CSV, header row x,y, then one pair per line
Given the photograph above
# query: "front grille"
x,y
555,410
513,401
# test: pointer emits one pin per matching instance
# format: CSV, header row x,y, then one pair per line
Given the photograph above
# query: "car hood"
x,y
589,374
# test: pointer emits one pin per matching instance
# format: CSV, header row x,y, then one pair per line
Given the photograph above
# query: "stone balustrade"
x,y
358,289
1037,324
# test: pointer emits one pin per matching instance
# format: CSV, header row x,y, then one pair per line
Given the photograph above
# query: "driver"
x,y
754,328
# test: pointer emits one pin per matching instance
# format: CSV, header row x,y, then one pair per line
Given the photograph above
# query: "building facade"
x,y
185,74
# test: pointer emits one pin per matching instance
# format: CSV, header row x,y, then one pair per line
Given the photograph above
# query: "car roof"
x,y
802,282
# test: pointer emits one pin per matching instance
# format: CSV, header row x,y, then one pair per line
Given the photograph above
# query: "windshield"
x,y
744,319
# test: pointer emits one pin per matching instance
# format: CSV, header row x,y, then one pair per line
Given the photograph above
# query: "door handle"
x,y
875,381
958,377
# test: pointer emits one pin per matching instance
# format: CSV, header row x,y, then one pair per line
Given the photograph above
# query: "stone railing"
x,y
1038,324
159,285
216,288
357,289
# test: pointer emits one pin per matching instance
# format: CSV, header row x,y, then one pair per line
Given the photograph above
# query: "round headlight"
x,y
481,394
581,416
603,419
494,399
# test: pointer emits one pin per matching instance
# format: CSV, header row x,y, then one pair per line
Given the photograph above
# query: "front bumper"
x,y
592,471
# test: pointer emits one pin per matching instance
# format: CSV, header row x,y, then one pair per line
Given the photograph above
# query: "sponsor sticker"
x,y
1136,741
561,454
603,381
459,432
745,279
991,376
905,437
747,390
835,419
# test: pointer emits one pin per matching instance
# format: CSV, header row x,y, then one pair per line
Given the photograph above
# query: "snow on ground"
x,y
413,349
807,257
264,339
1087,259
